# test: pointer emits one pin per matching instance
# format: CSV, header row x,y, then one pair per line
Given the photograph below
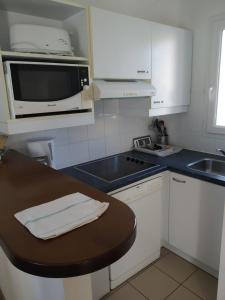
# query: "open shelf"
x,y
17,126
24,55
62,14
53,9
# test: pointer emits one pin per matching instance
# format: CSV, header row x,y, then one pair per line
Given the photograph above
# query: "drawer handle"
x,y
141,71
178,180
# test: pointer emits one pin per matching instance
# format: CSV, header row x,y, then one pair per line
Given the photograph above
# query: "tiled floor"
x,y
172,278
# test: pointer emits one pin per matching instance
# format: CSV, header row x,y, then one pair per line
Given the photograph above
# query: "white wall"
x,y
113,131
163,11
189,130
4,35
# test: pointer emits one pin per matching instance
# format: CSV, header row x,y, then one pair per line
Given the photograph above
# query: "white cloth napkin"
x,y
57,217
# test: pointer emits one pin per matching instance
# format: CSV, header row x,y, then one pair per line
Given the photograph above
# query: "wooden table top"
x,y
25,183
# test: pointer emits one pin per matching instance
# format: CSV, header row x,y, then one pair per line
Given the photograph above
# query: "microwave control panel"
x,y
84,76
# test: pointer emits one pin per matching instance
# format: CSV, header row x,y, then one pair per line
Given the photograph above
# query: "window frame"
x,y
217,26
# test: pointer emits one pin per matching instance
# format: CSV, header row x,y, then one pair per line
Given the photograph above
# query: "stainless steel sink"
x,y
209,166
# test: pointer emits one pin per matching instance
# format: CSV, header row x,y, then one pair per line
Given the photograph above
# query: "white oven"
x,y
44,88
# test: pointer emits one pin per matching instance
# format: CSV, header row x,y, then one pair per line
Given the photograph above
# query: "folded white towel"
x,y
57,217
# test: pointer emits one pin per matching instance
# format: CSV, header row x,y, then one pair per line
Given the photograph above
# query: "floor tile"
x,y
176,267
154,284
127,292
164,251
182,294
203,285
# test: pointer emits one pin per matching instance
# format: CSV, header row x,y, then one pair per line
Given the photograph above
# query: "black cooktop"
x,y
115,167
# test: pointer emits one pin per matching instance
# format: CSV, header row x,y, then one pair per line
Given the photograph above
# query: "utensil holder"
x,y
163,139
2,154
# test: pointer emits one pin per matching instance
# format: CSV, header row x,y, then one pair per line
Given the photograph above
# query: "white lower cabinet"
x,y
145,200
196,219
18,285
100,283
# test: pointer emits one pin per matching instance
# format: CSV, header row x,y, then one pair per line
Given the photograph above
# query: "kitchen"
x,y
183,184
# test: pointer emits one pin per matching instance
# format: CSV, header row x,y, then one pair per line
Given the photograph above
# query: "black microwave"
x,y
43,88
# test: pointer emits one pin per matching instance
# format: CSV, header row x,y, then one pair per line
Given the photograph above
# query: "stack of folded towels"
x,y
57,217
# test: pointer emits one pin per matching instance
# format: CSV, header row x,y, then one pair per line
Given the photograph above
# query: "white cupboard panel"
x,y
145,200
171,66
196,218
121,46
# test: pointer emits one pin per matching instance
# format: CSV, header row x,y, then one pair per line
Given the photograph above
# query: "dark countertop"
x,y
25,183
177,163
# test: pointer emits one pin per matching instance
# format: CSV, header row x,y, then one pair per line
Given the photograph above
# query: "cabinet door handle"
x,y
141,71
178,180
211,90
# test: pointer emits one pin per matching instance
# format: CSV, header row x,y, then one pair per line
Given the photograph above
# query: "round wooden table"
x,y
25,183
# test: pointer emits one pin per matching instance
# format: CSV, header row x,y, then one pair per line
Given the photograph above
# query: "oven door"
x,y
42,88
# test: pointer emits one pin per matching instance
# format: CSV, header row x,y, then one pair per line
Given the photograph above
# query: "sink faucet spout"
x,y
221,151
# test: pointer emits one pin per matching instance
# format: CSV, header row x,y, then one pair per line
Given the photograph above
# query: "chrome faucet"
x,y
221,151
2,154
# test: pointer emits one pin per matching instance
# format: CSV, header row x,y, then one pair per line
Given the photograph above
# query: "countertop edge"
x,y
164,164
14,162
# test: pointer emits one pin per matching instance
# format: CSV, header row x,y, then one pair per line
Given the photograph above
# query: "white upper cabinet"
x,y
171,66
121,46
124,47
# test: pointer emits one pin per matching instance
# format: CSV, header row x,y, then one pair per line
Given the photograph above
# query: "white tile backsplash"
x,y
126,141
99,108
112,125
135,107
113,145
77,134
97,130
97,148
112,133
111,107
60,136
79,152
62,156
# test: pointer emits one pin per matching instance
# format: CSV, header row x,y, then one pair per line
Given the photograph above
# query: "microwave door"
x,y
43,88
72,104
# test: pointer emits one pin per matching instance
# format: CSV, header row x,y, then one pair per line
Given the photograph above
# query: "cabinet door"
x,y
196,217
145,200
121,46
100,283
171,66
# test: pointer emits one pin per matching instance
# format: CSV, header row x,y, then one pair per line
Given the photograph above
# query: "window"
x,y
216,111
220,112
